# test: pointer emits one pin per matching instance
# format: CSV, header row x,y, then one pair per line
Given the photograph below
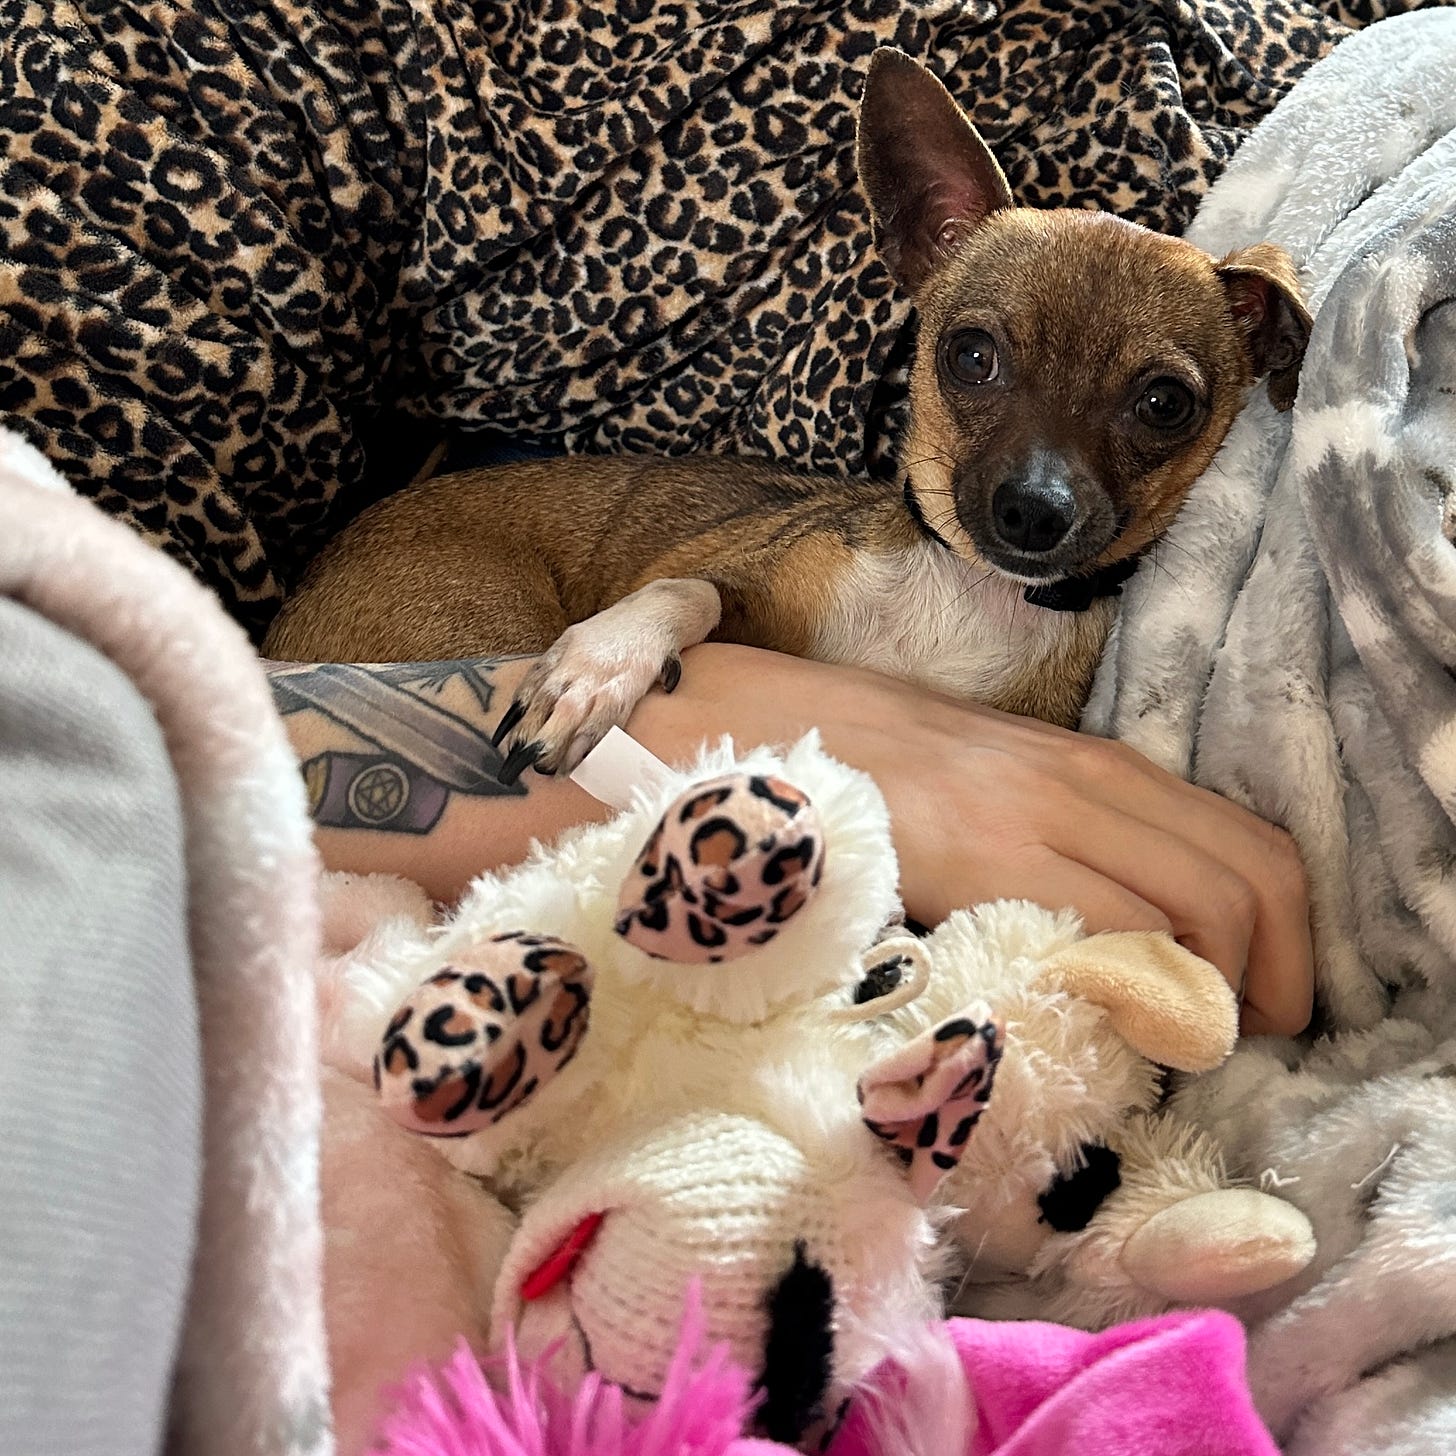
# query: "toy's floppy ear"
x,y
732,861
1219,1245
925,1099
1168,1004
477,1039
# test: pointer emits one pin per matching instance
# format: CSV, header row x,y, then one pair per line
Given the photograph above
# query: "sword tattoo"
x,y
421,752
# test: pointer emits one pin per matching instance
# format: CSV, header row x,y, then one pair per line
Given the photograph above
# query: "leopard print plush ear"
x,y
477,1039
728,866
925,1099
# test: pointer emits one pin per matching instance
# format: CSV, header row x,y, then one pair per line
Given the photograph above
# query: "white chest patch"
x,y
923,614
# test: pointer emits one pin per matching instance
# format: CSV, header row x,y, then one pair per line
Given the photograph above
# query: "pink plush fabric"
x,y
705,1404
1172,1386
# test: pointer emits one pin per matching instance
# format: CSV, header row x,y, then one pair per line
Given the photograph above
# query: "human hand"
x,y
987,806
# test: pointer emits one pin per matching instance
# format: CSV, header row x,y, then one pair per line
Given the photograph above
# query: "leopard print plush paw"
x,y
728,866
478,1038
925,1099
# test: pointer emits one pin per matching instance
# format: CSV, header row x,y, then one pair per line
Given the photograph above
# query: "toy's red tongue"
x,y
558,1264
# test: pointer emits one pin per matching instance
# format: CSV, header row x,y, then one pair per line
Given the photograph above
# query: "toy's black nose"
x,y
799,1353
1033,515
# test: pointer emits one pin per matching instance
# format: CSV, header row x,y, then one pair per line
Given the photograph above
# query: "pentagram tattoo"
x,y
422,751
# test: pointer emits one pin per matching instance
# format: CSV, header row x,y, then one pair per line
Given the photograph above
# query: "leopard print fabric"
x,y
725,870
477,1040
237,239
926,1099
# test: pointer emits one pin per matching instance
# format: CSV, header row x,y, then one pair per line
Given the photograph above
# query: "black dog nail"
x,y
518,760
671,673
513,715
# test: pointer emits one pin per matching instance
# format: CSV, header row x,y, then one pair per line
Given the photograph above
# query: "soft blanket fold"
x,y
251,1370
1294,646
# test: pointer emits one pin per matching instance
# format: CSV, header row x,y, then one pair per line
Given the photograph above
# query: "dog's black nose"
x,y
1033,515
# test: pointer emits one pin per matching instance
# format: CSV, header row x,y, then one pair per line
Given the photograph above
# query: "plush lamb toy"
x,y
688,1043
1079,1200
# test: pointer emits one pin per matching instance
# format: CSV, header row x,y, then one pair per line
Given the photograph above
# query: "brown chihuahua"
x,y
1075,374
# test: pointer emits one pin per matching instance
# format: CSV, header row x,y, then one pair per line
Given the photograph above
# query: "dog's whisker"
x,y
959,598
1164,525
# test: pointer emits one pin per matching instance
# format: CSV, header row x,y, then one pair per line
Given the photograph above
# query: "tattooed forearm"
x,y
402,738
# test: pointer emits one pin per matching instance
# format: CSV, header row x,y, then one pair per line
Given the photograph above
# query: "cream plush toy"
x,y
1079,1200
689,1043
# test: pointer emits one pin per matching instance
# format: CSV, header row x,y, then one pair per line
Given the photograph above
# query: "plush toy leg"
x,y
728,866
1219,1246
1172,1232
925,1099
476,1040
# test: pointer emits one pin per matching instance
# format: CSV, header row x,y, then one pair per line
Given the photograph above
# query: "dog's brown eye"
x,y
1166,405
971,355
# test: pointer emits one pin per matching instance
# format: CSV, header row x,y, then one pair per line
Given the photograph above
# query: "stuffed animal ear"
x,y
1168,1004
1264,294
929,177
925,1099
476,1040
1219,1245
728,866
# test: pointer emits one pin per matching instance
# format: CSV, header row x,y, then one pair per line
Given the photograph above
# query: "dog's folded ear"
x,y
1264,294
928,175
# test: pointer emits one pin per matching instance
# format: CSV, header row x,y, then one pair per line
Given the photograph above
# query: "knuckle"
x,y
1288,874
1096,760
1237,902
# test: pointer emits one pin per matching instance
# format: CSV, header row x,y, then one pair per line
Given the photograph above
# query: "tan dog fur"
x,y
612,567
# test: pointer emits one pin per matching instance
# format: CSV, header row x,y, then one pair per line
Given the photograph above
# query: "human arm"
x,y
983,805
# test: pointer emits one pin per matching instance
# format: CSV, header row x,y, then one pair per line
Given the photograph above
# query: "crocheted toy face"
x,y
660,1124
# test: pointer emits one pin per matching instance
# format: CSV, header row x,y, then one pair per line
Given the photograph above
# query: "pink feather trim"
x,y
508,1409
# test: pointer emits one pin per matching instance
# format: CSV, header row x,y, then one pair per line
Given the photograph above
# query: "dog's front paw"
x,y
571,697
597,671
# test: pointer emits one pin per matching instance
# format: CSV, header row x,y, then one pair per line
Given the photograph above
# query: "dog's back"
x,y
502,560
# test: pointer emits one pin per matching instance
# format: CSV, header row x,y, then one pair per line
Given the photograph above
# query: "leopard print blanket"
x,y
238,240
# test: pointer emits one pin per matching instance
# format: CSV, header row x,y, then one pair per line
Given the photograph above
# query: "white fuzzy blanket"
x,y
1293,645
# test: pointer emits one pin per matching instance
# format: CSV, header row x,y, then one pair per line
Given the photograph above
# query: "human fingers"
x,y
1278,978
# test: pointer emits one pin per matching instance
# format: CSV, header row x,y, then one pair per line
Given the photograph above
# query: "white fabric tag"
x,y
617,766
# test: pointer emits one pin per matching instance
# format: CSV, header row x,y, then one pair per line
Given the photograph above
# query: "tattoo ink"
x,y
372,791
425,751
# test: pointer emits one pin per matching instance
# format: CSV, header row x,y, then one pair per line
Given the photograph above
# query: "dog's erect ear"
x,y
928,175
1264,294
1168,1004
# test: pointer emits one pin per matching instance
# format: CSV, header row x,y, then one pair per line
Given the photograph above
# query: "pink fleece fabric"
x,y
1171,1386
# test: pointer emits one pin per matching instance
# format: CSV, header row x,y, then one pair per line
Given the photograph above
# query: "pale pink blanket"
x,y
252,1375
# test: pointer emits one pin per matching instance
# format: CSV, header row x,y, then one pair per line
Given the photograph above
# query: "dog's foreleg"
x,y
598,670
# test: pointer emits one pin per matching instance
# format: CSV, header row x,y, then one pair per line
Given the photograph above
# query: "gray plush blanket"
x,y
1293,645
